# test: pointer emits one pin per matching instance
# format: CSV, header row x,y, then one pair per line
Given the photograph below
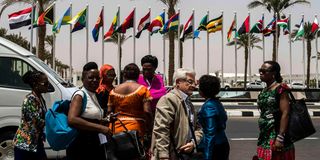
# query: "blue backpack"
x,y
58,132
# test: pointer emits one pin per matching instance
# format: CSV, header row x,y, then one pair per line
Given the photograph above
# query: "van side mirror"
x,y
50,88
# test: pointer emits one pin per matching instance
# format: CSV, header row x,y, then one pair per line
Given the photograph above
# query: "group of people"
x,y
167,122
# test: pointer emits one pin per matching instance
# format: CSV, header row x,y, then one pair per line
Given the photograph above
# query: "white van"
x,y
14,62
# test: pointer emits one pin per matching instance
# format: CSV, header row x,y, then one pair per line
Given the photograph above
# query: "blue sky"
x,y
201,6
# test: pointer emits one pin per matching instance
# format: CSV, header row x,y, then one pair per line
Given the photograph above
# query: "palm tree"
x,y
171,11
42,30
242,41
114,40
308,36
276,7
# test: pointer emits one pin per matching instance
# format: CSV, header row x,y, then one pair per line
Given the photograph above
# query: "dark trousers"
x,y
85,147
20,154
221,151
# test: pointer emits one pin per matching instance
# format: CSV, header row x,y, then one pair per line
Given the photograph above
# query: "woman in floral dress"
x,y
273,103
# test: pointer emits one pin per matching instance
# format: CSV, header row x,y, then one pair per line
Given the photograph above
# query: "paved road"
x,y
243,132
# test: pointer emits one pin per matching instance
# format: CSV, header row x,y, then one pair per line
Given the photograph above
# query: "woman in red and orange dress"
x,y
132,101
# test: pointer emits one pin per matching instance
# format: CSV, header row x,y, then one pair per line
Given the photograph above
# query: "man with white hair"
x,y
175,132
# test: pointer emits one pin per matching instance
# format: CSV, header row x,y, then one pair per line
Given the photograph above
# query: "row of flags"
x,y
158,24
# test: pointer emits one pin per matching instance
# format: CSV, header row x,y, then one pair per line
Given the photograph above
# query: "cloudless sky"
x,y
201,6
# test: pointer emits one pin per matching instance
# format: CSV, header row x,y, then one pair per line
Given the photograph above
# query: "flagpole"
x,y
235,49
290,48
54,40
263,42
303,56
193,42
222,50
119,47
317,65
249,49
31,32
70,48
208,49
87,34
102,36
179,42
134,34
149,35
277,38
164,54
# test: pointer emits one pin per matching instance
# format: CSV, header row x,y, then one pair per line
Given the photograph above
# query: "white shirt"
x,y
93,109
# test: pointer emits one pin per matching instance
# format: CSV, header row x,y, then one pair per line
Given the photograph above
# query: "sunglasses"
x,y
263,71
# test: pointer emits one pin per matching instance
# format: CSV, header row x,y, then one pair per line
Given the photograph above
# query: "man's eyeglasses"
x,y
191,82
263,71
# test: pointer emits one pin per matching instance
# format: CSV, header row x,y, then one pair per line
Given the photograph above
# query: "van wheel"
x,y
6,146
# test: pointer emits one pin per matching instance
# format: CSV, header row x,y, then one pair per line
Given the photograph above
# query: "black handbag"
x,y
127,145
300,125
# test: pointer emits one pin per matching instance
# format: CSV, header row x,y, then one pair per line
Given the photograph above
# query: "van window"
x,y
12,70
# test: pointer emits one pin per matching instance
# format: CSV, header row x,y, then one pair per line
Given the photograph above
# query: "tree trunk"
x,y
181,53
171,12
308,61
246,53
42,33
276,42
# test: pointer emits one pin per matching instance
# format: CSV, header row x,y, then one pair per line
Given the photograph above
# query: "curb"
x,y
256,113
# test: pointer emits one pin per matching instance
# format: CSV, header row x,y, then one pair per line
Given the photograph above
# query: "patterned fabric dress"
x,y
268,104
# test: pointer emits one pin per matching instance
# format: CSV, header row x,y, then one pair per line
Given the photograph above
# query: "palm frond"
x,y
256,3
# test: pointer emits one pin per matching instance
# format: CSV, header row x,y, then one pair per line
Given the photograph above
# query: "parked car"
x,y
256,85
297,85
14,62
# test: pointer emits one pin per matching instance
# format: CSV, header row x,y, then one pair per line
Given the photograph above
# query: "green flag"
x,y
300,32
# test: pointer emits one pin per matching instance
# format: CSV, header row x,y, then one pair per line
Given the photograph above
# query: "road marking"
x,y
255,139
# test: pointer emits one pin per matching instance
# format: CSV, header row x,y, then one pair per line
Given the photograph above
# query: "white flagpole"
x,y
119,47
134,34
222,54
304,56
179,42
263,42
149,35
31,32
70,48
193,42
277,58
208,49
235,50
249,49
87,34
290,48
54,40
102,36
317,65
164,54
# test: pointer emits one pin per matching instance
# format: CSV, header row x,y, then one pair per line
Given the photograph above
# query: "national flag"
x,y
143,24
96,29
215,24
127,23
157,23
79,21
171,24
62,21
113,27
187,29
232,28
202,26
258,27
284,23
315,25
20,18
46,17
270,28
245,27
300,32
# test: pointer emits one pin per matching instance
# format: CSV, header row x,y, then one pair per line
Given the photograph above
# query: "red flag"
x,y
188,28
143,24
245,28
127,23
315,25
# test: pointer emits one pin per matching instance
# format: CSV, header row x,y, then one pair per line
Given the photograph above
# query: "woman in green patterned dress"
x,y
273,103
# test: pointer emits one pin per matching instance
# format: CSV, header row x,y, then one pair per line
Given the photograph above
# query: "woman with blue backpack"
x,y
29,138
90,121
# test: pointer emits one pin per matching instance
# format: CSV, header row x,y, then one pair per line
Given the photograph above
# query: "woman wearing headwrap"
x,y
107,75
